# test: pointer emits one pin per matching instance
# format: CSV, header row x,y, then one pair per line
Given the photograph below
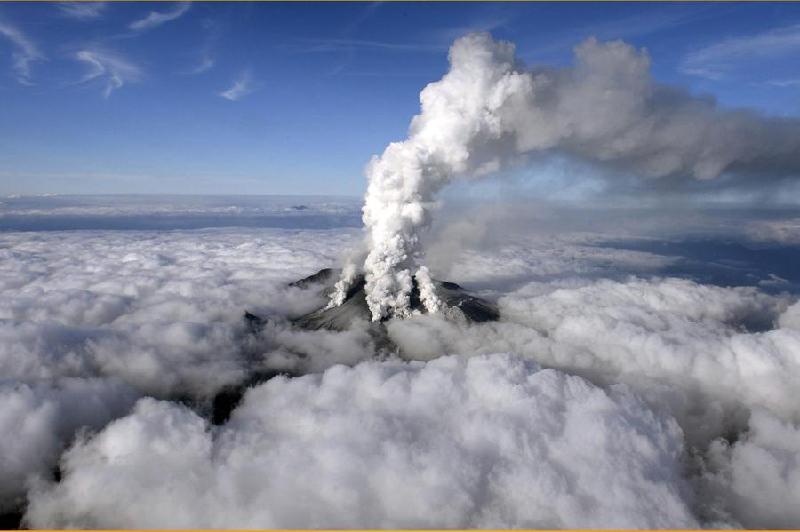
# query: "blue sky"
x,y
273,98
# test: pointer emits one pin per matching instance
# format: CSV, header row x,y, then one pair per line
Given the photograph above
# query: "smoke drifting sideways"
x,y
489,112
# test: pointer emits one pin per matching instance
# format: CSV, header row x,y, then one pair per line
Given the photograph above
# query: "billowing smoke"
x,y
488,112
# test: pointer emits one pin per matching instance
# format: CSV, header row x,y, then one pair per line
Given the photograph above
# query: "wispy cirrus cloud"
x,y
205,64
349,47
82,10
714,61
783,83
366,13
111,68
338,45
561,39
242,86
24,52
157,18
206,57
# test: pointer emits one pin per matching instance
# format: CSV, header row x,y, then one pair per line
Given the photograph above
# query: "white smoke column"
x,y
456,112
487,111
427,290
349,274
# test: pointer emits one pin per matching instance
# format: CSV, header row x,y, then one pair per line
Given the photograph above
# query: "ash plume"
x,y
489,112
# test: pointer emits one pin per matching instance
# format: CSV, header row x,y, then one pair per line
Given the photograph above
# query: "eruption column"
x,y
404,180
488,111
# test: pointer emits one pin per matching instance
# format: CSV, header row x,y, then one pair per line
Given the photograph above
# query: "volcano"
x,y
458,303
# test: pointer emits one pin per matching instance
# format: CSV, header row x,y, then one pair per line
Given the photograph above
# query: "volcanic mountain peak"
x,y
457,303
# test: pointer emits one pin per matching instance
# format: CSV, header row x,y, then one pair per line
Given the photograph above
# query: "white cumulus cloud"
x,y
40,418
760,474
160,311
488,441
666,402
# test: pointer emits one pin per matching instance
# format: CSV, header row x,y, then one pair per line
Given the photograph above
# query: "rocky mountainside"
x,y
458,303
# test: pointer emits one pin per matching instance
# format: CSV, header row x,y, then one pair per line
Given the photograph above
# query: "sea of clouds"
x,y
631,382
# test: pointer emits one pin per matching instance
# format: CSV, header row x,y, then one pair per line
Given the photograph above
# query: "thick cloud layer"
x,y
38,420
488,441
162,311
703,353
488,112
760,474
90,321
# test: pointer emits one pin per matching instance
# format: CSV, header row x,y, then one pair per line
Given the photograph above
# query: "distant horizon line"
x,y
181,194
